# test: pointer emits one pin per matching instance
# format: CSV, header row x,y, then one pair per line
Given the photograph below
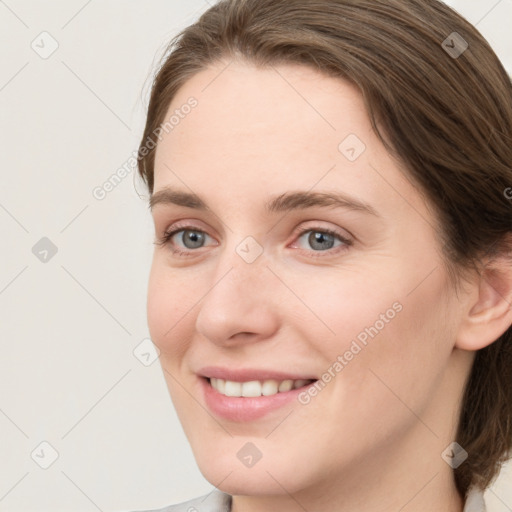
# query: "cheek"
x,y
169,303
403,337
352,306
170,300
406,360
416,345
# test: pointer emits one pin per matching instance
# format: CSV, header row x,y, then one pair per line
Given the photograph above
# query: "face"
x,y
297,251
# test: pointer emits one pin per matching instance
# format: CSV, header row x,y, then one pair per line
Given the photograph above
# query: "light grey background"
x,y
69,326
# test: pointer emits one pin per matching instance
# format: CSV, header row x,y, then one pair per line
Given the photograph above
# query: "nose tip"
x,y
238,308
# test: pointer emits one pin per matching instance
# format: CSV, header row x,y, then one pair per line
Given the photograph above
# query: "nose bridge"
x,y
239,298
241,268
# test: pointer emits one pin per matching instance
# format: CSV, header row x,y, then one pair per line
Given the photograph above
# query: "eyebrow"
x,y
282,203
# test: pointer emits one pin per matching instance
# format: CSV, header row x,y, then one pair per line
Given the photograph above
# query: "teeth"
x,y
286,385
252,388
255,388
233,388
221,385
269,387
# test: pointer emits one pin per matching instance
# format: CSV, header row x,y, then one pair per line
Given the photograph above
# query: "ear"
x,y
489,312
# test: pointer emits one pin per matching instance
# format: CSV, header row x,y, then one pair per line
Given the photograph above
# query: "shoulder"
x,y
215,501
474,501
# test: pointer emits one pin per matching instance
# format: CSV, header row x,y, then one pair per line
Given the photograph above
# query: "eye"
x,y
184,240
321,240
187,238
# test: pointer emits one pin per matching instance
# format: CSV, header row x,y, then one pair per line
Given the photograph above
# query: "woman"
x,y
331,284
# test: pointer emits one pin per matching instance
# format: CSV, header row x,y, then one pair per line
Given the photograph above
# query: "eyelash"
x,y
166,238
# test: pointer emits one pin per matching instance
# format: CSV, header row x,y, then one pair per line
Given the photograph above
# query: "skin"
x,y
372,438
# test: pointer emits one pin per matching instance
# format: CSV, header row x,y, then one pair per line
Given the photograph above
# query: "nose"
x,y
241,305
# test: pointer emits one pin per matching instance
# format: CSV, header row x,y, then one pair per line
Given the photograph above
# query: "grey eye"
x,y
192,239
319,240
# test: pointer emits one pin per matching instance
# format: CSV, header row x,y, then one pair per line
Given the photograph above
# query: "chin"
x,y
269,476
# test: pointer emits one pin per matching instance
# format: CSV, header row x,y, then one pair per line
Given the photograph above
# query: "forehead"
x,y
243,111
266,130
245,105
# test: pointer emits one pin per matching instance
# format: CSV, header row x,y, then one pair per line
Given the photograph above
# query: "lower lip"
x,y
242,409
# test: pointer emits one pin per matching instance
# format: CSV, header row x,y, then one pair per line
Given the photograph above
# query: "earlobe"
x,y
490,313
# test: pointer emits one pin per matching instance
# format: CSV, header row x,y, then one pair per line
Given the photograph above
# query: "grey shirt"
x,y
218,501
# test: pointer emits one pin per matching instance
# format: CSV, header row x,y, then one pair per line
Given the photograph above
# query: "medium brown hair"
x,y
446,117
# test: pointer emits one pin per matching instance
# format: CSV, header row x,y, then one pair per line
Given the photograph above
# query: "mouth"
x,y
256,388
244,396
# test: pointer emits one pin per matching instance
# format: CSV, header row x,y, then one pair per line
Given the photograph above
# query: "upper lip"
x,y
250,374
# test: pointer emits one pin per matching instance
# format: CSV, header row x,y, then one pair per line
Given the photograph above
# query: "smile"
x,y
248,395
256,388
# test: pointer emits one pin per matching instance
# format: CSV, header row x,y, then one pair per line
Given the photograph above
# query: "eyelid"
x,y
176,228
345,242
179,226
343,234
